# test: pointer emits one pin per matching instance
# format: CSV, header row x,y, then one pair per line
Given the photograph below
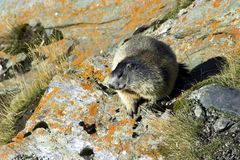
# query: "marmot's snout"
x,y
114,83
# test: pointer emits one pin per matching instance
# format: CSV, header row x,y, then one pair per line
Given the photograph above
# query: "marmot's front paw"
x,y
132,112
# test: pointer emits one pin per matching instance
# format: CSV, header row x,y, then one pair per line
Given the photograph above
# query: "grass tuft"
x,y
180,134
20,38
19,106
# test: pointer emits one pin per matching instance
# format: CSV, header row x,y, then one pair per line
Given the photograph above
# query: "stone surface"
x,y
207,29
199,112
99,23
73,115
221,124
221,98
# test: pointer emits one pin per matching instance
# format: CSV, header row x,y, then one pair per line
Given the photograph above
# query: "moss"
x,y
180,5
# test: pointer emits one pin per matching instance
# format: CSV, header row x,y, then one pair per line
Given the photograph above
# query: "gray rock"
x,y
166,115
199,112
222,124
222,98
21,57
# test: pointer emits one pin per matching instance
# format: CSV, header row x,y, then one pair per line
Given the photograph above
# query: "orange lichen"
x,y
118,2
4,155
12,144
79,59
19,137
126,146
99,75
216,3
43,101
87,86
169,42
93,109
111,130
235,33
184,18
215,24
112,111
89,120
72,102
200,22
59,113
108,70
88,70
68,130
126,121
54,125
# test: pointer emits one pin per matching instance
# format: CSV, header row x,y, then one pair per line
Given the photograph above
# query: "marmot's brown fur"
x,y
143,68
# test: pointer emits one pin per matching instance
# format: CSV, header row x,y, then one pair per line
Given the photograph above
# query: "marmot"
x,y
143,68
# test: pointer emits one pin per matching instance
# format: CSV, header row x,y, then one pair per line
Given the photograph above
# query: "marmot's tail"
x,y
182,81
183,72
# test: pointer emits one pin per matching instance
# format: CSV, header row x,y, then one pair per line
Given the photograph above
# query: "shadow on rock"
x,y
201,72
209,68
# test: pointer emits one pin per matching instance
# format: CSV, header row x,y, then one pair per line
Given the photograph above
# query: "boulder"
x,y
221,98
77,119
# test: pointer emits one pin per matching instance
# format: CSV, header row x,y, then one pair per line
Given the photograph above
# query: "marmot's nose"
x,y
117,86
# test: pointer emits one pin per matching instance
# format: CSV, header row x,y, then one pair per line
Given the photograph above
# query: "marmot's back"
x,y
136,45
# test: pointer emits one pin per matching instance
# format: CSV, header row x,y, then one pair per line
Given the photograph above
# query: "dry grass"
x,y
180,134
20,38
17,105
229,76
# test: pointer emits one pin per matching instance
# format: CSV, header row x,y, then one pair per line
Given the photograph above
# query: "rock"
x,y
199,112
166,115
222,124
202,31
222,98
81,20
75,119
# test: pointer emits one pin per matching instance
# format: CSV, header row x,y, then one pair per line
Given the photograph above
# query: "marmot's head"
x,y
123,75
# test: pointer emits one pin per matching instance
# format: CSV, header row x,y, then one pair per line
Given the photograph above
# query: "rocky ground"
x,y
79,118
221,129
